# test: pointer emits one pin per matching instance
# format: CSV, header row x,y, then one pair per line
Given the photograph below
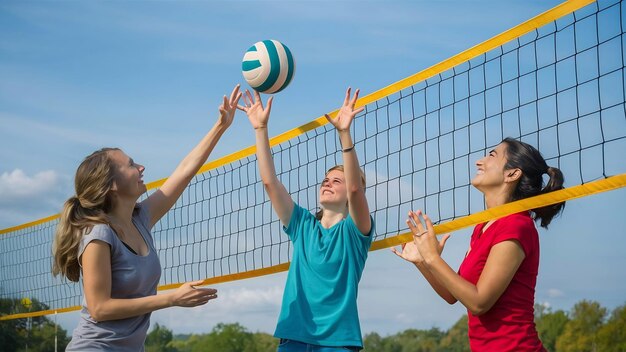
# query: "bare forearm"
x,y
264,156
162,200
190,165
436,285
458,287
357,202
113,309
280,198
350,162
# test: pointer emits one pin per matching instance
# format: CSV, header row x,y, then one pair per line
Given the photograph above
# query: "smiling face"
x,y
333,190
490,171
128,175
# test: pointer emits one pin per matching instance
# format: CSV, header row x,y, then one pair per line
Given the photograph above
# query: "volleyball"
x,y
268,66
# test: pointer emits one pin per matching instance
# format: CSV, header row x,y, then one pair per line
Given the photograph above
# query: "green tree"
x,y
390,344
216,340
456,339
184,343
9,340
612,335
419,340
580,332
13,333
550,325
159,340
264,342
35,333
231,337
372,342
223,337
42,338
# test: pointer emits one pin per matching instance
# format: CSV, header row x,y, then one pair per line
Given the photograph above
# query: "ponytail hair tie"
x,y
76,202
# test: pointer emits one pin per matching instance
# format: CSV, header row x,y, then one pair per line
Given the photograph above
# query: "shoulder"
x,y
99,232
303,213
352,226
300,219
102,232
356,236
519,227
521,221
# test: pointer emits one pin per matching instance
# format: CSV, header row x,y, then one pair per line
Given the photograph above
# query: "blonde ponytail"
x,y
93,181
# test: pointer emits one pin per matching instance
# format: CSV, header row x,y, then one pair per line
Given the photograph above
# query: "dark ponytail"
x,y
525,157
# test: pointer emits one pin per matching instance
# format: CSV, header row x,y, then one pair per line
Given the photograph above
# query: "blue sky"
x,y
148,77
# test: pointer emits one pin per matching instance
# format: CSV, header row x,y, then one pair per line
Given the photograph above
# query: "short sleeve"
x,y
296,222
99,232
355,230
518,227
363,241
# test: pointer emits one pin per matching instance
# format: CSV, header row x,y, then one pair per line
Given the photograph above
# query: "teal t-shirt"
x,y
320,299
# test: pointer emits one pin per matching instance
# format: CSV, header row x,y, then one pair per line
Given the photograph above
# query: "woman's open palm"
x,y
346,113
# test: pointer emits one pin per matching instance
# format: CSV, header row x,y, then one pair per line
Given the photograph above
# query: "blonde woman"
x,y
104,236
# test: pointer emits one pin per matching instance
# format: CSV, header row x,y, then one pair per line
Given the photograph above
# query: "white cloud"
x,y
545,305
555,293
25,198
405,318
17,185
254,303
248,300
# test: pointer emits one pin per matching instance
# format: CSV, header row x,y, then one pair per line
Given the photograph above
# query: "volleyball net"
x,y
556,82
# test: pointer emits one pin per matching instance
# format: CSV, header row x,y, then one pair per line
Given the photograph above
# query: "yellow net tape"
x,y
591,188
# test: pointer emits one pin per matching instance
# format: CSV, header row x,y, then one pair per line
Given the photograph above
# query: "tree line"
x,y
586,327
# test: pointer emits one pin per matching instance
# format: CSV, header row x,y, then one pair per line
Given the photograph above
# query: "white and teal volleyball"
x,y
268,66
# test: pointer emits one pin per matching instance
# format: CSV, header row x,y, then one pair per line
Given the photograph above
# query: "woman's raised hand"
x,y
346,113
424,236
253,107
409,253
229,107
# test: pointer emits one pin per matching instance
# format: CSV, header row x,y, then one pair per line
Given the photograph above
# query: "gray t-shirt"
x,y
132,276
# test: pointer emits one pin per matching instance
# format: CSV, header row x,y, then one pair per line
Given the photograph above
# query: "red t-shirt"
x,y
509,325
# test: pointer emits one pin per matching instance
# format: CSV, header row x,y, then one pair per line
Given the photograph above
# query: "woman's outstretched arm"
x,y
164,198
276,191
357,202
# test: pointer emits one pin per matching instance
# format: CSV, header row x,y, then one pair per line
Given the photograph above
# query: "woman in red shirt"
x,y
496,280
